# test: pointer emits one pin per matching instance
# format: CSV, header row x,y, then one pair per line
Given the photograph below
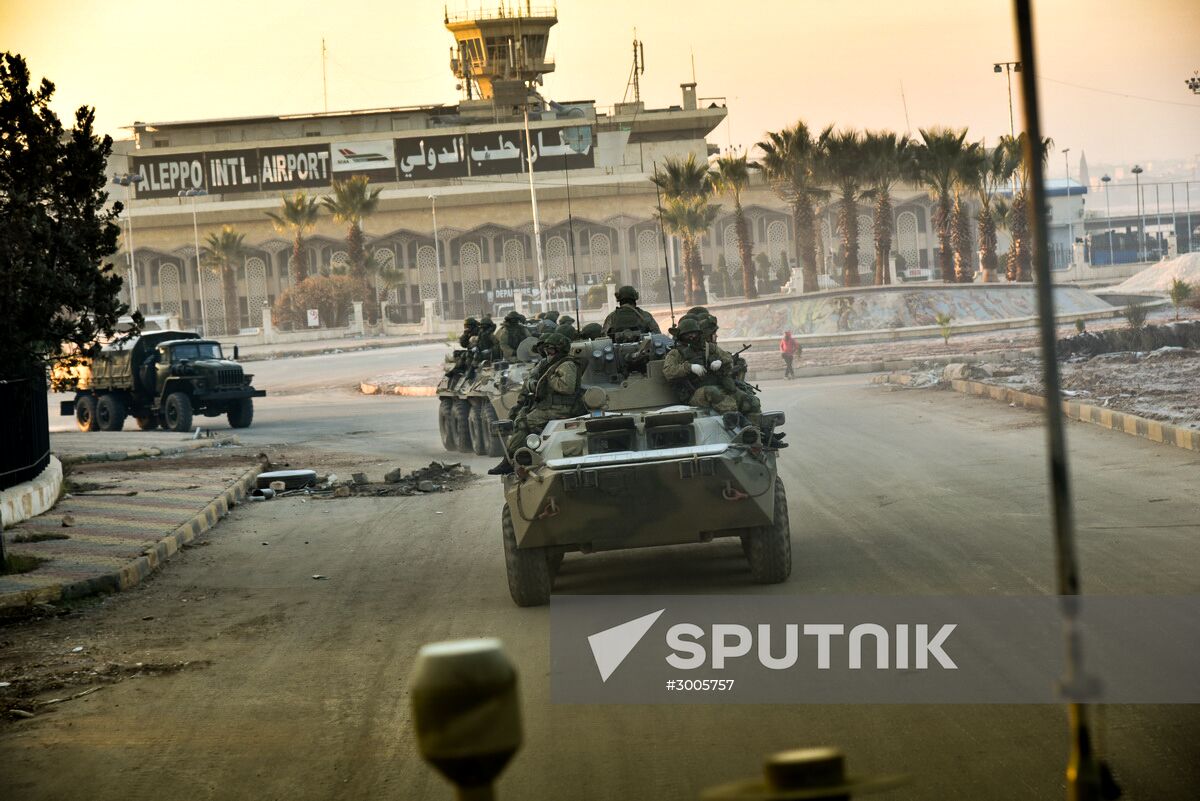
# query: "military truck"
x,y
640,469
159,378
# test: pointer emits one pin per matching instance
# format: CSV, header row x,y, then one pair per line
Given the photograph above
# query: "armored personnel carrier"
x,y
640,469
470,402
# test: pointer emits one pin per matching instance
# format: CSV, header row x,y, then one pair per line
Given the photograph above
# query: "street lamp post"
x,y
1108,212
193,194
437,257
1137,171
1009,67
129,181
1070,222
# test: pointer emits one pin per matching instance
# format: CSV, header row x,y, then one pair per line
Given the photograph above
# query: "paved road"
x,y
304,696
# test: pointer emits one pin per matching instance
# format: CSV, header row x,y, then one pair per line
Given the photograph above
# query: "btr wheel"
x,y
177,412
770,546
110,413
241,414
462,425
528,568
446,422
495,445
479,442
85,413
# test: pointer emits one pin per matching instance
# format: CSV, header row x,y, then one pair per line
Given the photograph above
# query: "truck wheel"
x,y
85,413
462,425
110,413
241,414
479,443
528,568
495,446
177,412
146,423
770,551
446,422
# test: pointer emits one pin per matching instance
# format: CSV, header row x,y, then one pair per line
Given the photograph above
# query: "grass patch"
x,y
20,563
24,535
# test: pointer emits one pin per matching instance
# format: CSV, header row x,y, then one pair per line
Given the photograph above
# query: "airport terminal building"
x,y
455,216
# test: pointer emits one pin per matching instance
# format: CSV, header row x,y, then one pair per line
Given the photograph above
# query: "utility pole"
x,y
324,82
1070,224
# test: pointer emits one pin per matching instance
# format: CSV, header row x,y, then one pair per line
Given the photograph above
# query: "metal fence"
x,y
24,430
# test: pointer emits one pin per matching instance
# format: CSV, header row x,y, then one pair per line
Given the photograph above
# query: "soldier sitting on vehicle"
x,y
700,373
486,347
512,333
627,319
462,359
555,395
591,331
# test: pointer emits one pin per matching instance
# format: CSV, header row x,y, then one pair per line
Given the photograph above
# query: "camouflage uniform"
x,y
628,317
486,346
512,334
554,393
689,368
462,362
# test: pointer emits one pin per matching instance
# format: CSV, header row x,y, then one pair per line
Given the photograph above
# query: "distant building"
x,y
473,158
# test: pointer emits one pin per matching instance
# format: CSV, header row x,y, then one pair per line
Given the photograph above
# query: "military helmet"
x,y
696,310
592,331
557,341
688,325
470,322
488,323
708,323
566,319
513,316
567,330
551,315
627,294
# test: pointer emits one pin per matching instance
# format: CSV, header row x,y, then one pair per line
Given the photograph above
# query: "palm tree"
x,y
1020,254
937,156
789,161
220,253
689,217
888,159
966,176
297,215
687,213
841,162
732,176
992,170
352,201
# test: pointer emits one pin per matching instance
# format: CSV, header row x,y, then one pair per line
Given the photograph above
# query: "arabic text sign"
x,y
432,157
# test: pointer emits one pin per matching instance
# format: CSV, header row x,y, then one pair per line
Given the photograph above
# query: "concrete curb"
x,y
145,453
292,354
154,555
31,498
1153,430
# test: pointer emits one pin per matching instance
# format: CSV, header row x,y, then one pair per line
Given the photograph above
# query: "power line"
x,y
1120,94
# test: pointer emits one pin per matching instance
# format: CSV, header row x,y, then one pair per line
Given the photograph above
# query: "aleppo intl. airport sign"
x,y
269,169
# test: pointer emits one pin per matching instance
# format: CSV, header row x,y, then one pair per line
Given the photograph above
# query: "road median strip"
x,y
1113,420
145,453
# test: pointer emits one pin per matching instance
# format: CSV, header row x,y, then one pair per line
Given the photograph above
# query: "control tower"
x,y
499,55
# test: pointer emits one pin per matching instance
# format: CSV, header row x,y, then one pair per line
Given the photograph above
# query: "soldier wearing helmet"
x,y
701,373
591,331
627,317
486,347
512,333
554,395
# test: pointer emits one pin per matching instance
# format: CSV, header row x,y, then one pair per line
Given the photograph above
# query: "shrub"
x,y
330,295
1080,325
1135,315
1180,291
943,323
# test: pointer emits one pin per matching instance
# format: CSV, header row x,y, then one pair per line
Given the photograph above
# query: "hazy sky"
x,y
775,62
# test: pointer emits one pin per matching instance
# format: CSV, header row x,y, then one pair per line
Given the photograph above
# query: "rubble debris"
x,y
1183,334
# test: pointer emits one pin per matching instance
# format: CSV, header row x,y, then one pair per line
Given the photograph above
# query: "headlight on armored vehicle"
x,y
533,442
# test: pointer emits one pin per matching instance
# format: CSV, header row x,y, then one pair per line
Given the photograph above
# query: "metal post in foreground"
x,y
193,194
1083,774
443,311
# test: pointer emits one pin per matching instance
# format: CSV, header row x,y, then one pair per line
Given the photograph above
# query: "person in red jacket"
x,y
789,349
